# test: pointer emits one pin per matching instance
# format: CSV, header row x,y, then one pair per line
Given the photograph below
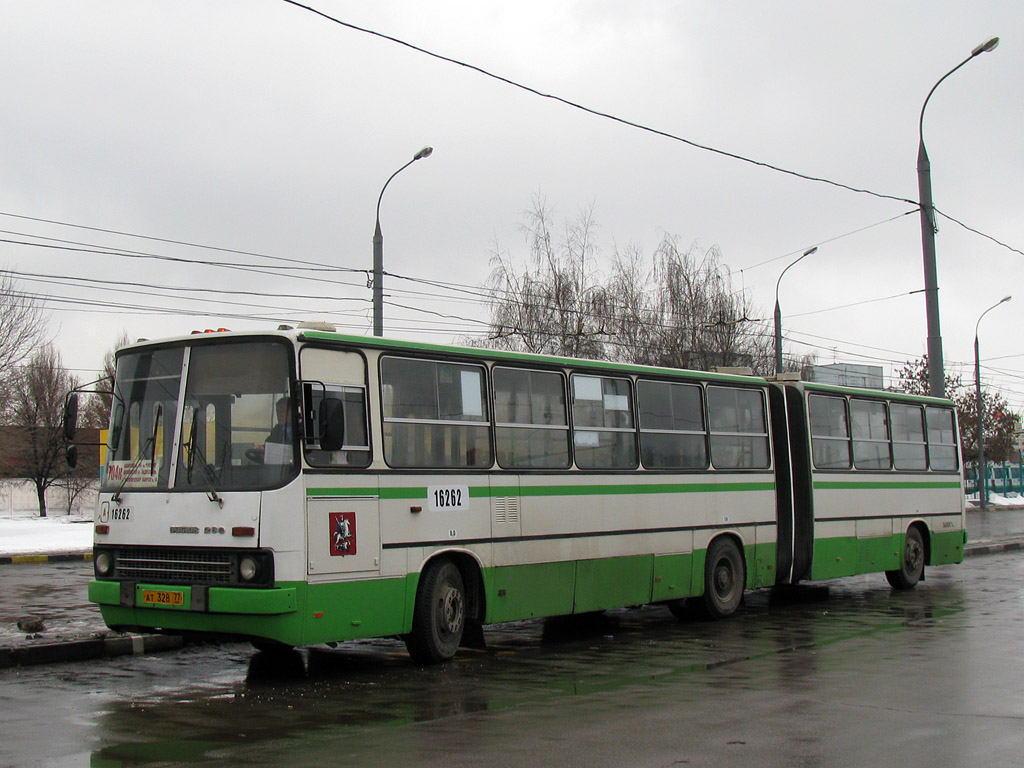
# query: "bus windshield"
x,y
235,426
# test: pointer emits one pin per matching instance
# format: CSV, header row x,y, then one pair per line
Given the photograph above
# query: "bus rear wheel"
x,y
911,568
724,579
439,617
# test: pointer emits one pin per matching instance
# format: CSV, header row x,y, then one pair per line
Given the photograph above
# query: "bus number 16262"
x,y
448,497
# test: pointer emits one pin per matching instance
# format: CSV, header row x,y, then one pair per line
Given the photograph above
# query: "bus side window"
x,y
532,426
672,431
830,432
435,414
604,435
738,427
870,425
941,438
908,446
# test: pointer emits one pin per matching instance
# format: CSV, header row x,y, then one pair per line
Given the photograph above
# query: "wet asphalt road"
x,y
864,677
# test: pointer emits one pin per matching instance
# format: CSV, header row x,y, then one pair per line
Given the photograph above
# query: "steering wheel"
x,y
255,455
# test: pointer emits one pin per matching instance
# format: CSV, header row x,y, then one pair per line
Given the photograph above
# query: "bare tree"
x,y
637,322
692,317
37,393
22,330
680,311
556,305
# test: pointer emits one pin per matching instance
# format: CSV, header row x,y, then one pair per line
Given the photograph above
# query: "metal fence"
x,y
1001,477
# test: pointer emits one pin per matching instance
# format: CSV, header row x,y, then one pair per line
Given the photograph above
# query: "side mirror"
x,y
71,456
331,420
70,416
116,426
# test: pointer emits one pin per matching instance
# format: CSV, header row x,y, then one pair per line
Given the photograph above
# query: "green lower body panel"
x,y
761,564
673,576
351,609
291,613
613,582
526,591
849,555
947,547
563,588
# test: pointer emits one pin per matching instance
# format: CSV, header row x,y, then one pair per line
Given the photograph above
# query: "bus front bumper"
x,y
196,599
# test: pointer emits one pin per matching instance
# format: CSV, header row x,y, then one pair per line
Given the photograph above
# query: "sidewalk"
x,y
52,586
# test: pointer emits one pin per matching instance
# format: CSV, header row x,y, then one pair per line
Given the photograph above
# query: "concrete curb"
x,y
91,648
993,548
54,557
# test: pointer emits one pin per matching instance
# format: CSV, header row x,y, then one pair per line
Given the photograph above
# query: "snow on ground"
x,y
25,533
1012,500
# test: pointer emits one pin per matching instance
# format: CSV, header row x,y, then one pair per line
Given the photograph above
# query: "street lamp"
x,y
936,375
378,250
778,314
982,479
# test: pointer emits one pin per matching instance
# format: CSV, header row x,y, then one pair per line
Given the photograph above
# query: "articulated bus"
x,y
302,486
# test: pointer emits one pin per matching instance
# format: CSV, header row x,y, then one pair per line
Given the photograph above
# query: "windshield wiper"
x,y
134,466
193,447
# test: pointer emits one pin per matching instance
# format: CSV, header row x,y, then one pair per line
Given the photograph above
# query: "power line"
x,y
158,240
595,112
977,232
109,251
59,278
826,241
856,303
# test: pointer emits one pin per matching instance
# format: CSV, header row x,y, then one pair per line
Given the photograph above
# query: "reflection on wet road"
x,y
862,675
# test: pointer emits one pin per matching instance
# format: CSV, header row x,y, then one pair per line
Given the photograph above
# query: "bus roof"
x,y
316,334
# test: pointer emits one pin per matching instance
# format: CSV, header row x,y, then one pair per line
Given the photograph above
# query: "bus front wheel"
x,y
724,579
439,617
911,568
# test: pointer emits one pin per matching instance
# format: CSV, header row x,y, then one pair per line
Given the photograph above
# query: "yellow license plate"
x,y
162,597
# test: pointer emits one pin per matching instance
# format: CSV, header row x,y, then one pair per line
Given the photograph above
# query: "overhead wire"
x,y
167,240
590,110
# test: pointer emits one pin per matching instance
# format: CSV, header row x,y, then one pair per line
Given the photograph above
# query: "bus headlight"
x,y
104,563
247,568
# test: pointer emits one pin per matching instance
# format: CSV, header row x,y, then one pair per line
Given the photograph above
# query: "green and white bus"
x,y
302,486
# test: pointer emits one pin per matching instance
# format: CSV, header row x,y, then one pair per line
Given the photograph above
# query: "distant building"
x,y
844,374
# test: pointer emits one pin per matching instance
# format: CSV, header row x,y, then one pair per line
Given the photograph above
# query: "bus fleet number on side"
x,y
441,497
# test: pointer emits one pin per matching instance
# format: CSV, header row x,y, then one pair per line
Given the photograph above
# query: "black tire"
x,y
724,579
264,645
439,617
682,609
911,568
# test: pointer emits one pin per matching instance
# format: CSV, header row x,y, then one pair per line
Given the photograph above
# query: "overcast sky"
x,y
260,127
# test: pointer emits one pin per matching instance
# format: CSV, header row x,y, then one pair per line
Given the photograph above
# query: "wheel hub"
x,y
914,555
723,579
452,610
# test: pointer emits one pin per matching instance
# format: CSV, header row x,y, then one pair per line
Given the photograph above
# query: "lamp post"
x,y
982,479
936,375
378,250
778,313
